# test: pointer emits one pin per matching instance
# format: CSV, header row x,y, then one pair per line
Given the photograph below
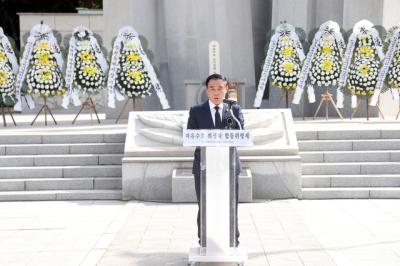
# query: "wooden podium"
x,y
217,194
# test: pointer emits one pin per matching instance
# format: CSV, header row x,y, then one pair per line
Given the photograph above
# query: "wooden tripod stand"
x,y
367,106
89,103
46,109
286,94
398,113
135,104
327,98
4,115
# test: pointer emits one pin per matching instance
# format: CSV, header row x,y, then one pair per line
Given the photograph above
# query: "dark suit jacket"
x,y
200,118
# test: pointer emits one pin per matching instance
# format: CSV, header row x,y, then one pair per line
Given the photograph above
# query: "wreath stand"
x,y
367,102
327,98
398,113
4,115
46,109
285,94
136,107
89,103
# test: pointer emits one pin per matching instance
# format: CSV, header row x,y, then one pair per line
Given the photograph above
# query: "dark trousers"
x,y
197,187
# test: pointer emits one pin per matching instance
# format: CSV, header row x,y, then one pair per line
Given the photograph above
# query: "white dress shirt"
x,y
212,109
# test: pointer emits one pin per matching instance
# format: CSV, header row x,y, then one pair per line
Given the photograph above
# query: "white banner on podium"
x,y
215,137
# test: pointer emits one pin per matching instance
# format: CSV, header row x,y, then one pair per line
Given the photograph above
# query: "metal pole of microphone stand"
x,y
232,184
234,117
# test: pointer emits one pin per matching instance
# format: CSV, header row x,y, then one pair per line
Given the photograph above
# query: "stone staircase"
x,y
57,165
350,163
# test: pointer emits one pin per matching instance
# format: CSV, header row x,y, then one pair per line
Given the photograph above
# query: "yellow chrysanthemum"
x,y
3,77
43,46
131,45
89,69
285,39
287,51
43,57
364,69
364,37
133,57
288,66
2,56
366,50
45,74
86,56
326,50
326,65
135,74
326,40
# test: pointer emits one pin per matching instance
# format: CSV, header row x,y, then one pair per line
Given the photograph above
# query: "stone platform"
x,y
339,159
154,152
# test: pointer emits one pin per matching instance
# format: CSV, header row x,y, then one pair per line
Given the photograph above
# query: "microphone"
x,y
230,101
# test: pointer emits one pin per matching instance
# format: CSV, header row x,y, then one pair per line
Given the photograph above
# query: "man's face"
x,y
216,90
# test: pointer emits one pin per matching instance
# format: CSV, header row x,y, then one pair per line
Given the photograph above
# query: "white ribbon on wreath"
x,y
21,74
377,42
57,51
9,51
129,34
112,93
385,68
101,60
265,71
297,44
304,73
69,74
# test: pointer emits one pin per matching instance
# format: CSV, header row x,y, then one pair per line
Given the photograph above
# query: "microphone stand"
x,y
229,120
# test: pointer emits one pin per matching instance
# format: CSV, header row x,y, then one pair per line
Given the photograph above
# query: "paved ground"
x,y
284,232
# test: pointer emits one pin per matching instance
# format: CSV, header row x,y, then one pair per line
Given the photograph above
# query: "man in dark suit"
x,y
212,114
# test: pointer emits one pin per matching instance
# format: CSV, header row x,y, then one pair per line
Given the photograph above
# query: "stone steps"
x,y
350,163
349,145
334,181
75,183
60,160
64,148
350,156
71,163
351,168
61,171
352,193
333,133
61,195
46,137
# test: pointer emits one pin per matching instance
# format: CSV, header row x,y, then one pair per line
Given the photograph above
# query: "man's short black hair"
x,y
214,76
